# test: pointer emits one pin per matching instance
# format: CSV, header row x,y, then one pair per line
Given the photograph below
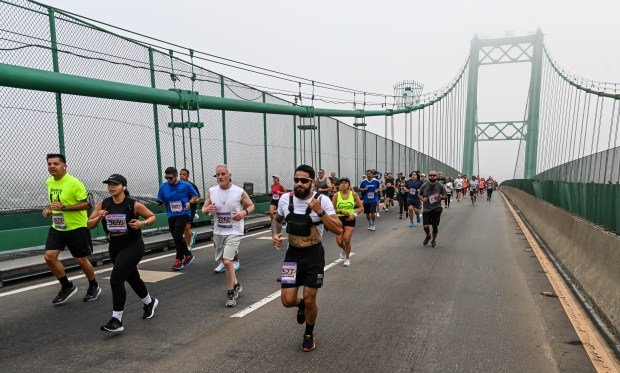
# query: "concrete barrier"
x,y
587,253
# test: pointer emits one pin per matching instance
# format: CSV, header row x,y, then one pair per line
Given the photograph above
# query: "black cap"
x,y
345,179
116,178
171,171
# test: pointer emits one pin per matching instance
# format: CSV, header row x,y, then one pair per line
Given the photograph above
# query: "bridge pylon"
x,y
501,51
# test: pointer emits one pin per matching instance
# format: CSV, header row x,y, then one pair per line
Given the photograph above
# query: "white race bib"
x,y
371,195
289,273
275,196
224,219
388,184
59,220
432,198
176,206
117,223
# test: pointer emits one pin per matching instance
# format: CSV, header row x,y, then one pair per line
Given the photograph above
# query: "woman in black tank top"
x,y
119,215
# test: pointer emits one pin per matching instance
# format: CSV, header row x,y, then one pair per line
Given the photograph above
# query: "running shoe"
x,y
149,309
308,344
428,238
64,294
400,216
194,236
378,215
230,299
177,265
417,219
342,256
113,326
301,312
237,265
347,263
92,293
220,268
410,224
372,228
237,289
188,259
433,243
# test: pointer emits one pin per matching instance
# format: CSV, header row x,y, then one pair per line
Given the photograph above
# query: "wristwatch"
x,y
320,214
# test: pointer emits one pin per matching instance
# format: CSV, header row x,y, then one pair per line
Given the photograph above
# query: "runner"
x,y
413,201
323,185
389,191
465,186
371,188
344,202
119,215
473,190
335,183
402,196
449,187
377,175
490,186
481,185
306,214
68,204
229,205
277,190
178,195
441,180
458,183
431,194
190,237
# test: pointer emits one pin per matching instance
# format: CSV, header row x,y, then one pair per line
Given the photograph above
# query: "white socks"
x,y
147,299
118,315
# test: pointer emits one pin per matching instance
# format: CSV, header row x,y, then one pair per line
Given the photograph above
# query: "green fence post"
x,y
377,152
223,120
265,144
295,140
59,118
338,145
155,120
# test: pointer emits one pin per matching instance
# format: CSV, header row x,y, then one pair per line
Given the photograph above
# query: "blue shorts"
x,y
414,202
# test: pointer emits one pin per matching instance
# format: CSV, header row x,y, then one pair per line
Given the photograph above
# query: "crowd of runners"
x,y
316,203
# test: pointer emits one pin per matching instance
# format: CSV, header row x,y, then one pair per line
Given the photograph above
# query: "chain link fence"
x,y
101,136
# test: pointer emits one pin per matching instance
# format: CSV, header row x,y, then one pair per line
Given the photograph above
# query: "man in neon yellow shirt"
x,y
68,204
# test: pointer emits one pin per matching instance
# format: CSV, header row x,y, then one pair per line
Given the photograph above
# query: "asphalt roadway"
x,y
472,304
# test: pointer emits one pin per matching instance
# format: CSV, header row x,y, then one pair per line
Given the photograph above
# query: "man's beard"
x,y
302,193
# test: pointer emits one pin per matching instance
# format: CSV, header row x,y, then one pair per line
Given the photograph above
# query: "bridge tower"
x,y
500,51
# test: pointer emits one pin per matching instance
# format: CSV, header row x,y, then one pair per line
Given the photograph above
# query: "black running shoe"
x,y
149,309
113,326
237,289
308,343
433,243
92,293
301,312
428,238
64,294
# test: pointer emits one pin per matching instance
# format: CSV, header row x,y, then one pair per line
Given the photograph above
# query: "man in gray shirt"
x,y
431,195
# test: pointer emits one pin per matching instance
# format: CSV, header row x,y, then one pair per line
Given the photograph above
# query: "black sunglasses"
x,y
169,177
302,180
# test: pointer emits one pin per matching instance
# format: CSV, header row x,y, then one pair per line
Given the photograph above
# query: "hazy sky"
x,y
369,45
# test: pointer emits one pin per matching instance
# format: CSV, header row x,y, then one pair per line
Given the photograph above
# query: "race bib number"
x,y
117,223
176,206
289,273
388,184
432,198
371,195
413,192
59,221
224,220
275,197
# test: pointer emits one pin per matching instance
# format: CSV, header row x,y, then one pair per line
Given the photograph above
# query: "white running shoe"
x,y
237,265
220,268
342,256
372,228
346,263
378,215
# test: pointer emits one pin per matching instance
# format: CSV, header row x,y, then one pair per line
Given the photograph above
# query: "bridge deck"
x,y
471,304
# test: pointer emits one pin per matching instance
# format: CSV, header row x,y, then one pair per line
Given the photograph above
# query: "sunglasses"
x,y
432,175
169,177
302,180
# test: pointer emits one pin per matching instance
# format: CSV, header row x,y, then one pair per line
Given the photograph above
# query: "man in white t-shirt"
x,y
229,205
458,185
307,214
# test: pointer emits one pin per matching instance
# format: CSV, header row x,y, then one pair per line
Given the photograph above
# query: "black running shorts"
x,y
370,208
346,222
78,241
431,217
310,263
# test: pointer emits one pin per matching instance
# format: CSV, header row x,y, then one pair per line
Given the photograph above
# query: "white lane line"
x,y
49,283
276,295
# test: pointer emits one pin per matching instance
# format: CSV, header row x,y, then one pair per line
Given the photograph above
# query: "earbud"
x,y
124,188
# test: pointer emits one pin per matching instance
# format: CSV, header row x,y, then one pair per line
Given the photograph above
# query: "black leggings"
x,y
489,193
448,199
177,228
402,203
125,254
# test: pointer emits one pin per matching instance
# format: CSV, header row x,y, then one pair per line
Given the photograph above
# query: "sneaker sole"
x,y
95,298
308,349
153,310
67,298
231,304
104,329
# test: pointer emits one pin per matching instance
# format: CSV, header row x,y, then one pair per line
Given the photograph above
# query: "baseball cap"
x,y
117,179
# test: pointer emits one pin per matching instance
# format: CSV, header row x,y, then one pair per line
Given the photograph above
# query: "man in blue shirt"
x,y
178,195
370,187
